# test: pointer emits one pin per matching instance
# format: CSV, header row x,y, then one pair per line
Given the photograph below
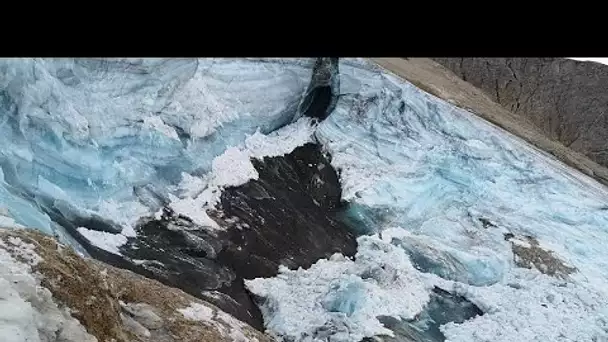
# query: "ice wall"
x,y
99,143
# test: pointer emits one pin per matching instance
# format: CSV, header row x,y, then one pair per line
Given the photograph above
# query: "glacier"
x,y
442,200
450,191
95,145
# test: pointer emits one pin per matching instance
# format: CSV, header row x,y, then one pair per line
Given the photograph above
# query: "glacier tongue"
x,y
100,143
460,197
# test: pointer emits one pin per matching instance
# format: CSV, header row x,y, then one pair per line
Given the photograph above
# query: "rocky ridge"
x,y
566,99
110,304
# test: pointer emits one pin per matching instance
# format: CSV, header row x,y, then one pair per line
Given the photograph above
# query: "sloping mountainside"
x,y
49,293
566,99
445,84
313,200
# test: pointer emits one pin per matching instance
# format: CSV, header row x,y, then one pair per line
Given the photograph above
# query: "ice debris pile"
x,y
443,195
340,298
456,187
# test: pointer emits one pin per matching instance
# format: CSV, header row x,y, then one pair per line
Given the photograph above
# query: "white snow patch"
x,y
106,241
194,208
232,168
191,186
125,214
281,141
601,60
226,324
197,312
27,310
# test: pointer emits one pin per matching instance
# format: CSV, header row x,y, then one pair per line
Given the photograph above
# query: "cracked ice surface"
x,y
410,160
111,138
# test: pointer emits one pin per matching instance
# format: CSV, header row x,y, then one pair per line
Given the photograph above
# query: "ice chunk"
x,y
156,123
340,299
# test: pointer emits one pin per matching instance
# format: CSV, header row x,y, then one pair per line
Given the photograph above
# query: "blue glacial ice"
x,y
411,160
444,187
101,143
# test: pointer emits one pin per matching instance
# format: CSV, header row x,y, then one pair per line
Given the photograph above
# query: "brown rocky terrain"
x,y
566,99
112,304
443,83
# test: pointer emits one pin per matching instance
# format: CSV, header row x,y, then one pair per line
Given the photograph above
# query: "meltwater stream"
x,y
135,157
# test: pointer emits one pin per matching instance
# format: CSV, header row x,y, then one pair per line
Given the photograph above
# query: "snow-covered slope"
x,y
100,143
458,196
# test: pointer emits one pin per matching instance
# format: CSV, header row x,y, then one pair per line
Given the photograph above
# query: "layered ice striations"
x,y
94,145
99,143
409,159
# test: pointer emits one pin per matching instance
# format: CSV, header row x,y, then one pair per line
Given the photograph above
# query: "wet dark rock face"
x,y
287,216
322,93
289,213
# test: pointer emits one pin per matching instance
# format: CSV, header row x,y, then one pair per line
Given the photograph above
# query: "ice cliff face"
x,y
99,143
